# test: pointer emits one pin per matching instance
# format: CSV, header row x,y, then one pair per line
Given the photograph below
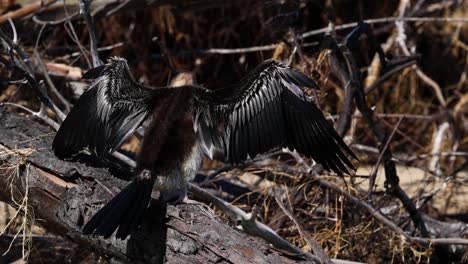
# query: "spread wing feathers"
x,y
107,113
311,134
271,110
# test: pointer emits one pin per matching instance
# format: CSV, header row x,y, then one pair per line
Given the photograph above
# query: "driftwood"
x,y
63,195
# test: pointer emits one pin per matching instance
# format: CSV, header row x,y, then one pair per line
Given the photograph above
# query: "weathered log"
x,y
65,194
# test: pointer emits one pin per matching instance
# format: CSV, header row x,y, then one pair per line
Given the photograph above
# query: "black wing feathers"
x,y
271,110
107,113
311,134
68,139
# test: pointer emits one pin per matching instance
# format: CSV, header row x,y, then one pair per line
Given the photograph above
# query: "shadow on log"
x,y
64,195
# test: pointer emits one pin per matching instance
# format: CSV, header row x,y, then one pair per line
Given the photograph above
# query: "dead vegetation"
x,y
421,105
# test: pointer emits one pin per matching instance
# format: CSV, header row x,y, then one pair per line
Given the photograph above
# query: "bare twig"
x,y
21,12
389,74
386,20
22,65
437,145
344,120
51,84
72,33
373,174
230,51
84,10
40,114
318,251
239,50
110,47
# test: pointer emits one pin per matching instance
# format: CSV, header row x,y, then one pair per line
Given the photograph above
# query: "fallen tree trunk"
x,y
63,195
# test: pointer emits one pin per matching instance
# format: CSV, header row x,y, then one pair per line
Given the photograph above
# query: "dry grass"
x,y
20,222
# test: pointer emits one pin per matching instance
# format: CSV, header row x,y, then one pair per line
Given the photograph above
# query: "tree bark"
x,y
63,195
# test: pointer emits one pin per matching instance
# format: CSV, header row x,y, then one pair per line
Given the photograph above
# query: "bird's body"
x,y
170,149
265,110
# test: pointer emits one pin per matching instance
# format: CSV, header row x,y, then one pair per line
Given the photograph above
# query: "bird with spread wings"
x,y
267,109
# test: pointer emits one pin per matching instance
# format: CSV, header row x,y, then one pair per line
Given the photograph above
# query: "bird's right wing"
x,y
108,112
271,110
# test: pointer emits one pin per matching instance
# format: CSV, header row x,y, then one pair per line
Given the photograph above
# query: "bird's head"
x,y
182,79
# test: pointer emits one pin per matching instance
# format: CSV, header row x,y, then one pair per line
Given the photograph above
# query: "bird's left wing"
x,y
271,110
108,112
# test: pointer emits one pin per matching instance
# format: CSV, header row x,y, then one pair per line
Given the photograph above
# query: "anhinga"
x,y
266,109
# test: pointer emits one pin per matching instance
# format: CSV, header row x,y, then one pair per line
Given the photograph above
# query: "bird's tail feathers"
x,y
125,211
